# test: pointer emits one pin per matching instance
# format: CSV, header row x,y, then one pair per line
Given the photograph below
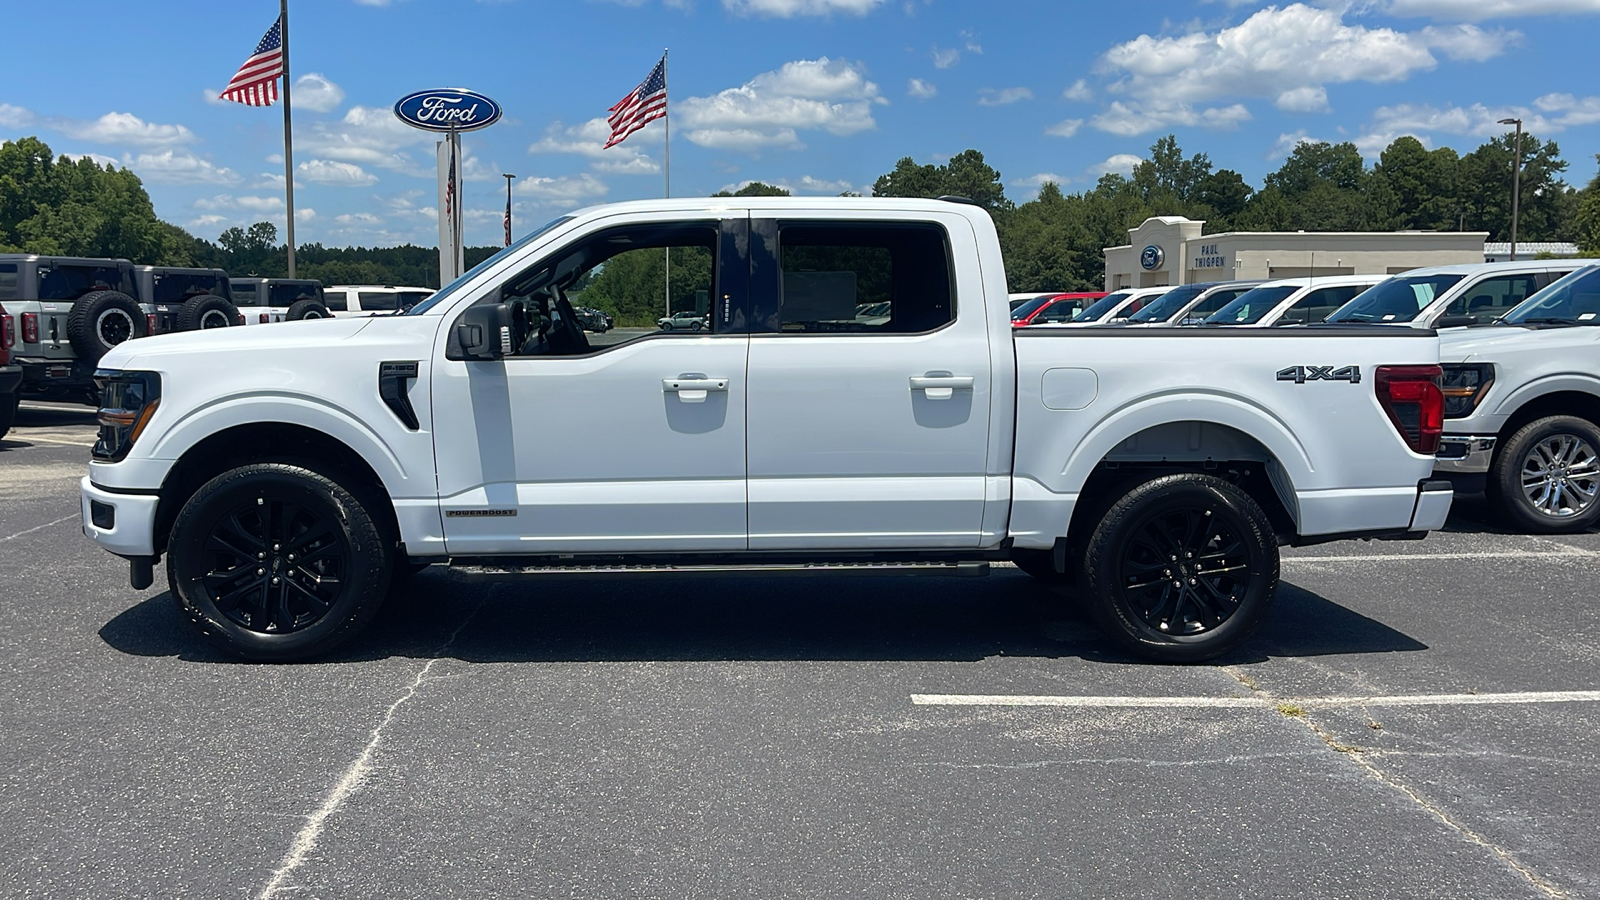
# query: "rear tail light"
x,y
264,319
30,328
150,324
1415,403
8,338
239,319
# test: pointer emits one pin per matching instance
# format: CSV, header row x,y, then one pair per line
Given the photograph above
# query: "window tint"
x,y
1213,302
1574,300
409,299
69,282
1492,298
381,301
1101,307
10,283
1250,306
1167,305
337,301
244,293
1319,304
863,279
1060,311
1398,299
1025,307
176,287
287,294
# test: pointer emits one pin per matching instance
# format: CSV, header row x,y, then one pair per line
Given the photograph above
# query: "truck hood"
x,y
1496,342
300,335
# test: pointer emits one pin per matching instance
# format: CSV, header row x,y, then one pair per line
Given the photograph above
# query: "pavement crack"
x,y
305,841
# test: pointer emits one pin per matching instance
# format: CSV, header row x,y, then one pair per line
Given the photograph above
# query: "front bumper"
x,y
1462,454
120,522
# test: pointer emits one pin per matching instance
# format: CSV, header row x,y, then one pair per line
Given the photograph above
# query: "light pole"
x,y
509,179
1516,183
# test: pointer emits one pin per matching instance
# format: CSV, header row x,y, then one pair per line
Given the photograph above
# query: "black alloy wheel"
x,y
1182,568
276,562
113,327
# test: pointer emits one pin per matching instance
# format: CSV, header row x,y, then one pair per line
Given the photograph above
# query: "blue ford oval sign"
x,y
447,109
1152,257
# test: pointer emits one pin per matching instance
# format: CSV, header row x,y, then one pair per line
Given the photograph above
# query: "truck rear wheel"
x,y
1182,568
1546,478
276,562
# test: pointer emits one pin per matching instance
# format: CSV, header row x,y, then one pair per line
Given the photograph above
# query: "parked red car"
x,y
10,375
1053,308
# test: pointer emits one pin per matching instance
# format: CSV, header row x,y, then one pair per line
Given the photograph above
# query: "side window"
x,y
380,301
863,279
336,301
1492,298
1320,304
622,273
1058,312
10,283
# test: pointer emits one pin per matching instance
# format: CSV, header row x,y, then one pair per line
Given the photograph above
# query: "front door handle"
x,y
941,387
693,389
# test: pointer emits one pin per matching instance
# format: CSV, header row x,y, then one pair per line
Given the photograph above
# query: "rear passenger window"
x,y
1319,304
381,301
1492,298
10,284
843,278
335,301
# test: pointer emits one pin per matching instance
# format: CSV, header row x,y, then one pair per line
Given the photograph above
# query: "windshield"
x,y
1167,305
1398,299
1250,306
1102,306
1574,300
456,285
1029,307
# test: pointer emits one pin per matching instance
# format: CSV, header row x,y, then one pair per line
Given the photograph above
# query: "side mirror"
x,y
484,332
1455,321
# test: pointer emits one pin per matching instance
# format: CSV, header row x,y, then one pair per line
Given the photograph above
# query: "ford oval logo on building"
x,y
1152,257
447,109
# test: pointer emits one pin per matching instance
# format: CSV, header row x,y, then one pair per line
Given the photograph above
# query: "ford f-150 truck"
x,y
287,476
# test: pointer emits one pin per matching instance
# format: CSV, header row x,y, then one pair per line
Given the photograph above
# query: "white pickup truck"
x,y
288,477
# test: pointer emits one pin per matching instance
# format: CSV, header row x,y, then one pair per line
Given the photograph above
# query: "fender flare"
x,y
1544,385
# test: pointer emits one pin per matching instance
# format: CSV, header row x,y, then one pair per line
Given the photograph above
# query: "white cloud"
x,y
589,140
806,185
314,92
1570,111
1469,43
1120,164
14,116
566,192
1312,98
331,172
944,58
1550,114
788,9
1287,142
1065,128
1040,180
1478,10
921,90
1003,96
100,160
1079,92
179,166
125,128
1130,119
358,219
371,136
246,203
771,109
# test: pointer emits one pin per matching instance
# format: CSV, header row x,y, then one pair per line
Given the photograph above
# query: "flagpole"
x,y
288,133
666,154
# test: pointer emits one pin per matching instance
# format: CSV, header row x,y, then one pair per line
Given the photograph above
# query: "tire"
x,y
666,326
232,570
1546,478
204,311
8,412
1222,557
695,325
100,320
307,309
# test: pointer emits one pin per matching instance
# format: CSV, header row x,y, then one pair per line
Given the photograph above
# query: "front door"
x,y
870,386
627,441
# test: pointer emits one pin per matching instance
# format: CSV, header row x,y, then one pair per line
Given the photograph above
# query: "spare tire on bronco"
x,y
101,320
206,311
307,308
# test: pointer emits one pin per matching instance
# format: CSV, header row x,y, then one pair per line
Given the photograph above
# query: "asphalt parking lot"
x,y
1416,720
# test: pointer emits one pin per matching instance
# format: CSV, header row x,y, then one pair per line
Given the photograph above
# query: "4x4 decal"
x,y
1303,374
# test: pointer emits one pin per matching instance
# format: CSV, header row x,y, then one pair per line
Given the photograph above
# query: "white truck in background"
x,y
286,478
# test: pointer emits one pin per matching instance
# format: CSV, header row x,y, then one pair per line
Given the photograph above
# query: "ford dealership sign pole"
x,y
449,111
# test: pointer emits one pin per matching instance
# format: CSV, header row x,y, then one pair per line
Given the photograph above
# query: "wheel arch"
x,y
258,442
1565,397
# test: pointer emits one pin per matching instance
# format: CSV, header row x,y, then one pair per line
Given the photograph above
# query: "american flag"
x,y
644,104
256,83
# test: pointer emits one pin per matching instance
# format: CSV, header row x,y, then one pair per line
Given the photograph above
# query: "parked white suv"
x,y
1454,296
1292,301
265,300
351,300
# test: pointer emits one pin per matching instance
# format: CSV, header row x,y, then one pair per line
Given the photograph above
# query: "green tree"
x,y
74,206
1586,224
1486,184
1424,184
965,175
755,189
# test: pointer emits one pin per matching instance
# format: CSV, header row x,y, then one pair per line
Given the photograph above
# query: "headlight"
x,y
127,401
1464,386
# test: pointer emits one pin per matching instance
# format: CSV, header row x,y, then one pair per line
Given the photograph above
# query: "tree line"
x,y
62,205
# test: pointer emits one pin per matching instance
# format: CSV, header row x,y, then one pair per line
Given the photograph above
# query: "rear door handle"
x,y
941,387
693,389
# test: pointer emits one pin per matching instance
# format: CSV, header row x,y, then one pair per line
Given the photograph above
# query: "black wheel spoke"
x,y
1181,570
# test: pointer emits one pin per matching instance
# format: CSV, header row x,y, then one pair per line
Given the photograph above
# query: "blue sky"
x,y
820,96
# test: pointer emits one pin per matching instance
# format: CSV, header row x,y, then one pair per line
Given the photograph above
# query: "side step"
x,y
481,572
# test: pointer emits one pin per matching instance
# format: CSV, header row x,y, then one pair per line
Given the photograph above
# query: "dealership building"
x,y
1174,250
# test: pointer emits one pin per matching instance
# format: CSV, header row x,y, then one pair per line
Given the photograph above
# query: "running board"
x,y
481,572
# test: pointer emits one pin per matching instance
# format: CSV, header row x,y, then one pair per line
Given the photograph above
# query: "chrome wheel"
x,y
1560,476
1185,571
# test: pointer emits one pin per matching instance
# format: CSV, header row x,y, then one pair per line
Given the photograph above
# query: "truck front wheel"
x,y
1182,568
276,562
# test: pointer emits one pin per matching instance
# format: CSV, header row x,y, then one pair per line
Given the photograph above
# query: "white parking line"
x,y
75,516
1257,702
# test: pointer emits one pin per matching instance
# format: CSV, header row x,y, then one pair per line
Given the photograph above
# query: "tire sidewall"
x,y
1506,483
186,559
201,308
307,309
89,315
1132,512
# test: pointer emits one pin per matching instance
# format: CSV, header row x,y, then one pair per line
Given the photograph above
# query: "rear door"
x,y
866,431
